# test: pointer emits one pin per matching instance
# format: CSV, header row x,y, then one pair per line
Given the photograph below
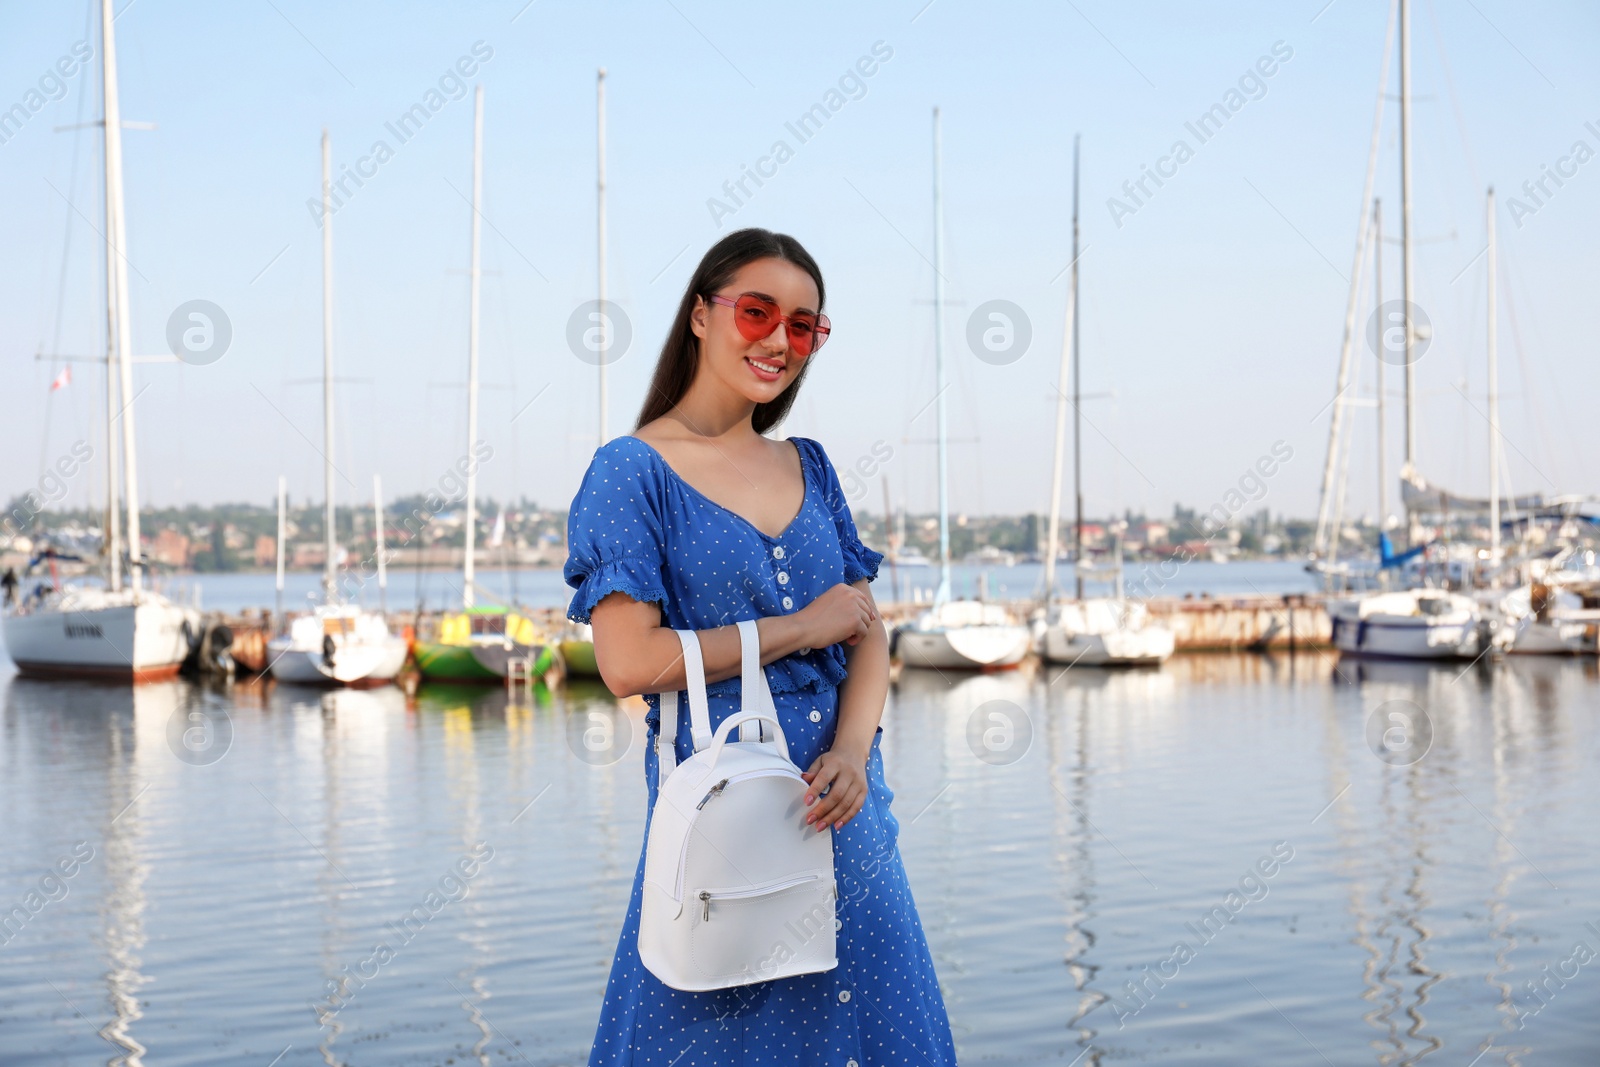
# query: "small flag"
x,y
499,532
62,380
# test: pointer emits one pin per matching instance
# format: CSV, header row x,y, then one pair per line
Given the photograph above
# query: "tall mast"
x,y
600,237
1052,540
1494,403
283,522
116,265
113,521
1077,396
330,570
1377,301
1405,228
467,568
894,546
941,594
377,544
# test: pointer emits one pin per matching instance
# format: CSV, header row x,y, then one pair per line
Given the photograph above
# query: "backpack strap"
x,y
754,694
699,708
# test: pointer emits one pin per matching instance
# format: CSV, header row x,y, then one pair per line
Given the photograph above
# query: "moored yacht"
x,y
962,634
479,644
1092,631
111,632
1103,632
337,643
1415,624
94,632
1552,621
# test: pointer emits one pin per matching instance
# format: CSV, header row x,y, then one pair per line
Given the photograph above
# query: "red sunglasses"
x,y
757,318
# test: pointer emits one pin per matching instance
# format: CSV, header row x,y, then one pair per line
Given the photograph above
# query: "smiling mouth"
x,y
765,369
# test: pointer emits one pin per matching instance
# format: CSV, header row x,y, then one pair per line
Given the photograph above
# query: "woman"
x,y
693,523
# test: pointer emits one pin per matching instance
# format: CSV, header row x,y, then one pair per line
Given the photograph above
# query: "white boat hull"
x,y
338,646
1555,637
1103,632
352,666
105,636
965,647
1404,639
1118,648
1382,625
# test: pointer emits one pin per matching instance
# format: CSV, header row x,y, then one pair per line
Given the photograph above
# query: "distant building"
x,y
170,548
1152,533
307,554
266,551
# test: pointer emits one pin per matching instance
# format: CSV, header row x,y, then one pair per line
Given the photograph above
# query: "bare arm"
x,y
841,771
637,655
865,688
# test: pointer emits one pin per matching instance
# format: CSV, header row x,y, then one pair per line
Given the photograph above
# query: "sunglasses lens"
x,y
802,334
820,331
755,317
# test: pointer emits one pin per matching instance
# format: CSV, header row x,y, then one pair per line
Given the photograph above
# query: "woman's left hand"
x,y
844,777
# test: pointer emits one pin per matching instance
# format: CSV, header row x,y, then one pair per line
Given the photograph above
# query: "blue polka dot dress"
x,y
637,527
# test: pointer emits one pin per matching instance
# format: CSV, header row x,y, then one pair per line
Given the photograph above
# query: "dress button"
x,y
844,996
838,924
783,577
849,1063
816,716
805,651
788,602
777,551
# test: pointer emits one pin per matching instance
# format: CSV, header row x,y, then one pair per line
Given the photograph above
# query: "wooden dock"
x,y
1287,622
1217,624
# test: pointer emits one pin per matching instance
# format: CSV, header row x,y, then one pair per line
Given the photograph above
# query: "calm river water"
x,y
1230,860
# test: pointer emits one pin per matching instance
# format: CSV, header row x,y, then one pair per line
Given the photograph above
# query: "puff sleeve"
x,y
615,532
859,560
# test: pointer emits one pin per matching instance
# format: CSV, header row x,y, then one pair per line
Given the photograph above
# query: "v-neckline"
x,y
805,486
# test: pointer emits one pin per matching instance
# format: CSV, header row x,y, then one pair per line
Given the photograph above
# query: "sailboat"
x,y
1550,619
1421,623
338,643
121,632
962,634
1542,618
1097,631
577,638
478,644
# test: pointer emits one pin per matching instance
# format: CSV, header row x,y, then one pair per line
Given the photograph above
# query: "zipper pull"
x,y
705,899
715,790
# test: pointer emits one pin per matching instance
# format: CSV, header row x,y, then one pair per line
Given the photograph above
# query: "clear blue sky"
x,y
1213,313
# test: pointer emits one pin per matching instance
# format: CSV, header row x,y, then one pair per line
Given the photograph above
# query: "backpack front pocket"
x,y
796,914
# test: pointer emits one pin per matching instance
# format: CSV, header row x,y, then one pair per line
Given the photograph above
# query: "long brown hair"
x,y
680,355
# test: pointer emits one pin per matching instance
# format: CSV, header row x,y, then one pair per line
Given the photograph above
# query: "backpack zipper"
x,y
714,791
707,896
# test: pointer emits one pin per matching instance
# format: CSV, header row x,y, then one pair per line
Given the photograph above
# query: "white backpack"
x,y
738,887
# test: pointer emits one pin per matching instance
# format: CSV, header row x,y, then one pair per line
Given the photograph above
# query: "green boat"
x,y
480,644
577,650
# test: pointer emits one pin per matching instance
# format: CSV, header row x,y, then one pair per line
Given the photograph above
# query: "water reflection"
x,y
227,899
131,764
1071,771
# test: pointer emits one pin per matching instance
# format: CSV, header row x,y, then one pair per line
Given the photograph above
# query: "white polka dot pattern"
x,y
637,528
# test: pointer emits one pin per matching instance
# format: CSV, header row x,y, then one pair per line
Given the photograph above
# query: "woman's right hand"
x,y
843,613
